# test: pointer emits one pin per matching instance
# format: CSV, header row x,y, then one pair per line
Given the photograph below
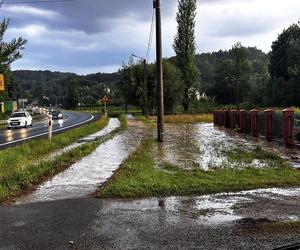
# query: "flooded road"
x,y
85,176
113,124
205,146
275,204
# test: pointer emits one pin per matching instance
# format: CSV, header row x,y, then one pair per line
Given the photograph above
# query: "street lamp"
x,y
146,111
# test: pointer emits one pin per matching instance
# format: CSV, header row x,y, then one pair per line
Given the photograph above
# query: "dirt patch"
x,y
250,226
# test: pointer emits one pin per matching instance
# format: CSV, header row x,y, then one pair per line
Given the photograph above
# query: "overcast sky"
x,y
88,36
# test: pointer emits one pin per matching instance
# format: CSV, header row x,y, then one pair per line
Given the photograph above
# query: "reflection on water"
x,y
9,135
220,208
205,146
60,122
85,176
23,133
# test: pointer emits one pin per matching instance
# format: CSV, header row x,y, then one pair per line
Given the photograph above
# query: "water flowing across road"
x,y
85,176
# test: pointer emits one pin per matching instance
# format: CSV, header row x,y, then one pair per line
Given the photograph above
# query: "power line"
x,y
150,37
34,2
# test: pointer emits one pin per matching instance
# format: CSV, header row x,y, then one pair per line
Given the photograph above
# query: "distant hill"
x,y
36,84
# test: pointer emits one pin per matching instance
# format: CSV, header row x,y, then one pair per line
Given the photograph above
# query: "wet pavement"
x,y
218,221
85,176
204,146
113,124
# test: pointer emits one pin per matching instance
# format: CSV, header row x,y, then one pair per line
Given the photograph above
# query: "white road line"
x,y
45,133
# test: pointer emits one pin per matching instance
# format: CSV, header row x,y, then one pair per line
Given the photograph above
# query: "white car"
x,y
19,119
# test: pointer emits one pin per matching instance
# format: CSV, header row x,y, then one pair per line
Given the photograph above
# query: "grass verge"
x,y
18,168
187,118
138,177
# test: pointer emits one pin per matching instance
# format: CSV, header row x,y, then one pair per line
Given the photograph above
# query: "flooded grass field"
x,y
200,159
203,146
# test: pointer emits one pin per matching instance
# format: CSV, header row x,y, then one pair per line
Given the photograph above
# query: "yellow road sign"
x,y
1,82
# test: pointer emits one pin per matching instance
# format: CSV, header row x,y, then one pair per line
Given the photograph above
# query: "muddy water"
x,y
274,204
113,124
85,176
205,146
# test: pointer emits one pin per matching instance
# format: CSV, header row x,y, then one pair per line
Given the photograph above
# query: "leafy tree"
x,y
279,54
241,73
172,87
9,52
73,95
185,48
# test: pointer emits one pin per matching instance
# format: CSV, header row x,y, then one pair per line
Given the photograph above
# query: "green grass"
x,y
138,177
179,118
18,167
258,153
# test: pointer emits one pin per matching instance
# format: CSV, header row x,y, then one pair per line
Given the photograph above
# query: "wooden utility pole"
x,y
159,72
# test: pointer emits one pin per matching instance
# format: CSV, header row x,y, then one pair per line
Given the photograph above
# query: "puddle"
x,y
205,146
85,176
220,208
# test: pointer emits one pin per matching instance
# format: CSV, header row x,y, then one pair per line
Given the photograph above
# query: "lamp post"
x,y
146,111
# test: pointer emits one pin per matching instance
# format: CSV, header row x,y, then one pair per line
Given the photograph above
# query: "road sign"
x,y
2,82
22,100
105,99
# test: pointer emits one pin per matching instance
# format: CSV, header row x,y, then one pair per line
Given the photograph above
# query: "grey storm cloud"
x,y
91,16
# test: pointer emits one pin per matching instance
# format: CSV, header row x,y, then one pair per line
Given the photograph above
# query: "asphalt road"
x,y
11,137
90,223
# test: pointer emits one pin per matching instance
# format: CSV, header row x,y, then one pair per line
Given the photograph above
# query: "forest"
x,y
244,77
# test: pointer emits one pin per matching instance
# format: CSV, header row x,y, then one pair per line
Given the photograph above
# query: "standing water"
x,y
84,177
204,146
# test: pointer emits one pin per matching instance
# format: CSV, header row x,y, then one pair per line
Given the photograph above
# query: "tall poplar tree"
x,y
185,49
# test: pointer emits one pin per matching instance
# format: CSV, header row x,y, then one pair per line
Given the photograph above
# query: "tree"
x,y
185,48
241,73
279,54
9,52
172,88
73,95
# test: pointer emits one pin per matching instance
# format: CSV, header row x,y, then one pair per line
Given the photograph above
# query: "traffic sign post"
x,y
22,102
2,82
105,100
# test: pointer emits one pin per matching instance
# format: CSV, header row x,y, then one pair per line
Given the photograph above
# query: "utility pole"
x,y
159,72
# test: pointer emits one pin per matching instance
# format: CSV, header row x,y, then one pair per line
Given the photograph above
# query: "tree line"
x,y
245,77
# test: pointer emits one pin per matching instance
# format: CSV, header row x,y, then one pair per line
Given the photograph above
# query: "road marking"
x,y
46,133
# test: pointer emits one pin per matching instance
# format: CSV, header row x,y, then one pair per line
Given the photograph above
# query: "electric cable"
x,y
150,37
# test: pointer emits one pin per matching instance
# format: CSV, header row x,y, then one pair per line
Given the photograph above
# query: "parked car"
x,y
19,119
56,114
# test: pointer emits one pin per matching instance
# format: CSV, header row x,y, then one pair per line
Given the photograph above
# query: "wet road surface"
x,y
113,124
205,222
9,137
86,175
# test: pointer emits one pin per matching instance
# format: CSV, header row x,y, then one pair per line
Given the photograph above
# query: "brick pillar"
x,y
215,117
226,118
219,117
243,120
268,125
234,118
288,126
254,113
